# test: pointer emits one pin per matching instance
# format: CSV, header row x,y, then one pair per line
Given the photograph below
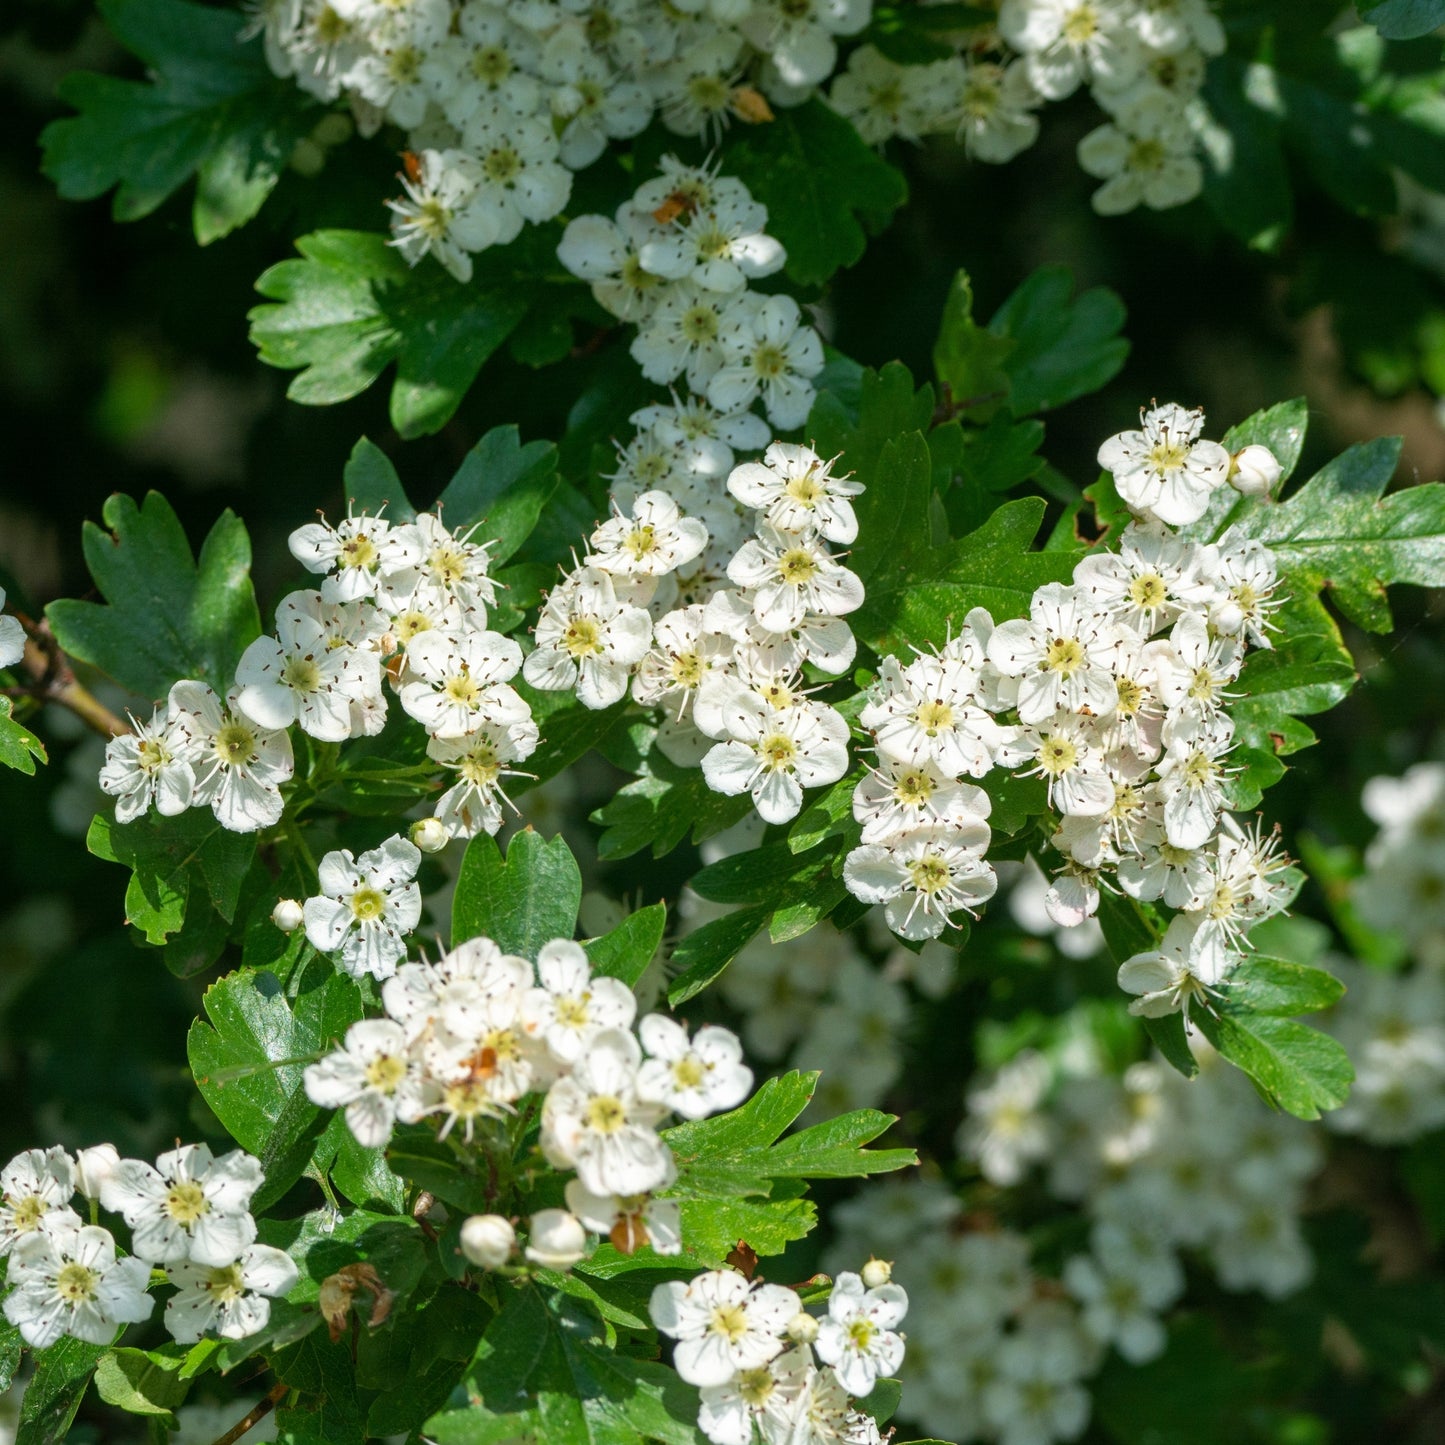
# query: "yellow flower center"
x,y
1064,655
1148,592
386,1073
777,751
934,717
462,688
481,767
1057,755
729,1321
359,551
640,541
929,874
27,1214
75,1283
770,361
689,1072
186,1202
225,1285
583,637
605,1114
368,903
914,788
235,744
301,673
151,755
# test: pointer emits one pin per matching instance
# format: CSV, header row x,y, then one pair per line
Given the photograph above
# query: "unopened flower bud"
x,y
558,1239
488,1240
430,835
1254,471
803,1328
93,1167
287,915
876,1273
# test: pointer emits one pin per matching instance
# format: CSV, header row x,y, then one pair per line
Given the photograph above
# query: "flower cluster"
x,y
1115,690
675,262
400,605
189,1214
1143,62
466,1038
502,103
1167,1171
768,1370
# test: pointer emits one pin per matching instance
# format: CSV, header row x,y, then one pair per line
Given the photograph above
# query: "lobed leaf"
x,y
520,901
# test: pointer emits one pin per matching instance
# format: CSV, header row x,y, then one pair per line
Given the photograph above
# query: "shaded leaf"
x,y
520,901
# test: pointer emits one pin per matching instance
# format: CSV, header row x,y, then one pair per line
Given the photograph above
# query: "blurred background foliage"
x,y
125,365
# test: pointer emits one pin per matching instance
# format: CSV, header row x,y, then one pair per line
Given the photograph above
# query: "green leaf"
x,y
457,1178
887,406
11,1348
169,857
519,902
1246,178
352,306
992,567
1309,672
703,954
1127,932
62,1376
543,1372
170,615
371,483
1405,19
248,1062
1063,348
1281,428
141,1382
1340,531
625,952
19,747
211,109
1297,1068
503,486
893,522
968,359
819,182
1273,986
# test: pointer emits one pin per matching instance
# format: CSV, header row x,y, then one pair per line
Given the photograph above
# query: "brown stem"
x,y
54,681
257,1412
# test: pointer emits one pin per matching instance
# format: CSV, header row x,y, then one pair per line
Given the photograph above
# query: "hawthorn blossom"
x,y
570,1007
928,712
763,1399
692,1077
1165,469
366,907
796,492
149,766
859,1338
774,755
473,804
923,877
654,540
36,1188
791,577
439,216
722,1324
1183,972
66,1280
239,766
232,1300
767,351
371,1076
355,554
588,639
629,1222
190,1206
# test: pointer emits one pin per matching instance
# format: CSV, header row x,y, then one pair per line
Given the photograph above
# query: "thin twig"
x,y
257,1412
54,681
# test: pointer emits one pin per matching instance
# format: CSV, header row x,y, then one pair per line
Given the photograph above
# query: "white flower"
x,y
36,1188
859,1338
684,653
1060,655
296,677
190,1206
924,877
992,109
1254,471
1191,776
897,797
588,639
521,179
608,254
233,1300
12,637
146,766
1066,753
1006,1129
792,577
775,754
366,907
1182,972
1146,155
239,767
654,540
1247,576
797,35
593,1120
67,1281
571,1007
1116,1309
1065,42
884,99
453,570
722,248
763,1398
693,1079
288,914
556,1239
459,682
1149,581
767,351
487,1240
371,1077
357,552
629,1222
928,712
439,215
722,1324
682,336
1164,468
454,992
1195,669
796,491
473,804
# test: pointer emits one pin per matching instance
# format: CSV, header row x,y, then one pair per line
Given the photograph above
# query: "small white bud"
x,y
876,1273
430,835
488,1240
558,1239
803,1328
93,1167
287,915
1254,471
